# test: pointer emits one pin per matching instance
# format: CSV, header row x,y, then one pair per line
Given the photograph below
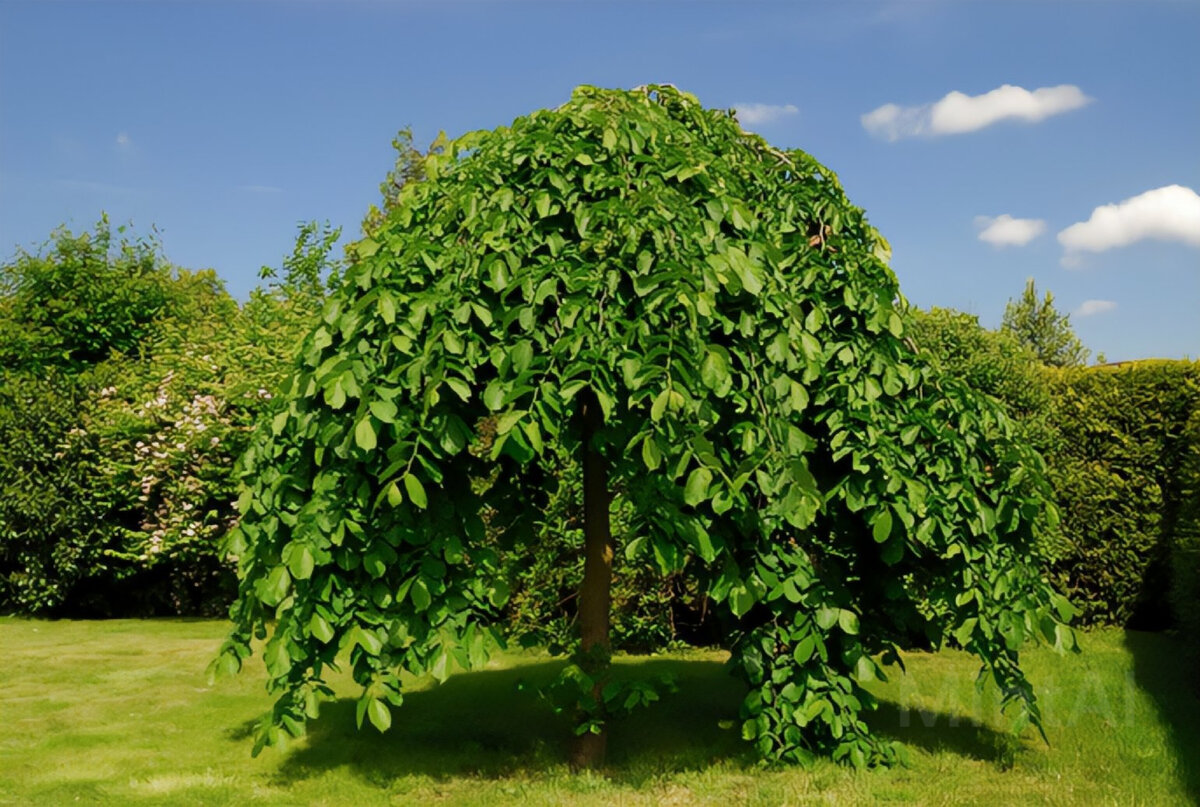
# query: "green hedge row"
x,y
1117,459
1185,549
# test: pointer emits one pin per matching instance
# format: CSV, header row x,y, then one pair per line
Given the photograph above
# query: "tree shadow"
x,y
1161,671
478,724
936,732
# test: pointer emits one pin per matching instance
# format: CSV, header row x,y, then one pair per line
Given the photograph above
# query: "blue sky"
x,y
225,124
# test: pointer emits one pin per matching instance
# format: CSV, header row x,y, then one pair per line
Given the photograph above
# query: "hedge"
x,y
1117,463
1185,549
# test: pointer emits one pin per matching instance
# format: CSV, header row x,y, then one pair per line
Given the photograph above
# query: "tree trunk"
x,y
595,595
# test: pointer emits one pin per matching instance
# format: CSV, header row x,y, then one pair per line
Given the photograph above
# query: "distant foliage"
x,y
1038,325
409,167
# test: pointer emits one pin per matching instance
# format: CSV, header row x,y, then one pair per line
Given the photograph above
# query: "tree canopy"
x,y
712,328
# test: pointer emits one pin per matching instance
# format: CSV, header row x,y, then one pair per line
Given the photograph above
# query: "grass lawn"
x,y
119,712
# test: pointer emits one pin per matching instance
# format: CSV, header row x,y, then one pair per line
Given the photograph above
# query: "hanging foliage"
x,y
713,327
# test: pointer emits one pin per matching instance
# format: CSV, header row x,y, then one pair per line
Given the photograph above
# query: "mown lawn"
x,y
119,712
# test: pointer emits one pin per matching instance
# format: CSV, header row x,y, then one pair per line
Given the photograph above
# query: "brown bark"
x,y
595,595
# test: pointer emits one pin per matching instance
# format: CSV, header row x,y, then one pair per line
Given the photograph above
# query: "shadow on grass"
x,y
935,732
479,724
1160,671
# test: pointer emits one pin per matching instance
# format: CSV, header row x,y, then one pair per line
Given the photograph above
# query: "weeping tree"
x,y
710,329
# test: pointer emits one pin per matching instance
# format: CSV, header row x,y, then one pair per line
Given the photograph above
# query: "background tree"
x,y
708,328
408,167
1039,325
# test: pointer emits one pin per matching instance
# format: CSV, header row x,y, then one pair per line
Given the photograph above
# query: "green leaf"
x,y
865,670
826,618
714,370
696,489
505,423
364,434
533,432
660,405
963,633
416,493
459,386
387,308
881,526
651,455
804,649
521,355
379,714
319,627
278,583
499,593
301,563
384,411
420,595
741,600
848,622
493,396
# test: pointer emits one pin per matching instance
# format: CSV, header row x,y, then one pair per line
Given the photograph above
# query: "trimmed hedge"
x,y
1117,464
1185,549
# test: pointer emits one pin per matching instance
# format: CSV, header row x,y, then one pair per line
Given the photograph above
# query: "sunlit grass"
x,y
119,712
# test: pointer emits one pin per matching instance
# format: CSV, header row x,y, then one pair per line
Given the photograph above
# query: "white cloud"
x,y
757,114
1005,231
1090,307
1171,213
123,140
958,112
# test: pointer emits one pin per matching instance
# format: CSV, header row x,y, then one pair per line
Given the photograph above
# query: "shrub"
x,y
52,511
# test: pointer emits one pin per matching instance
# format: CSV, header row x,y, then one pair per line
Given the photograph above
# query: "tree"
x,y
1043,329
708,327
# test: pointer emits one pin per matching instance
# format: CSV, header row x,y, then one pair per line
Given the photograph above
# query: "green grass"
x,y
119,712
